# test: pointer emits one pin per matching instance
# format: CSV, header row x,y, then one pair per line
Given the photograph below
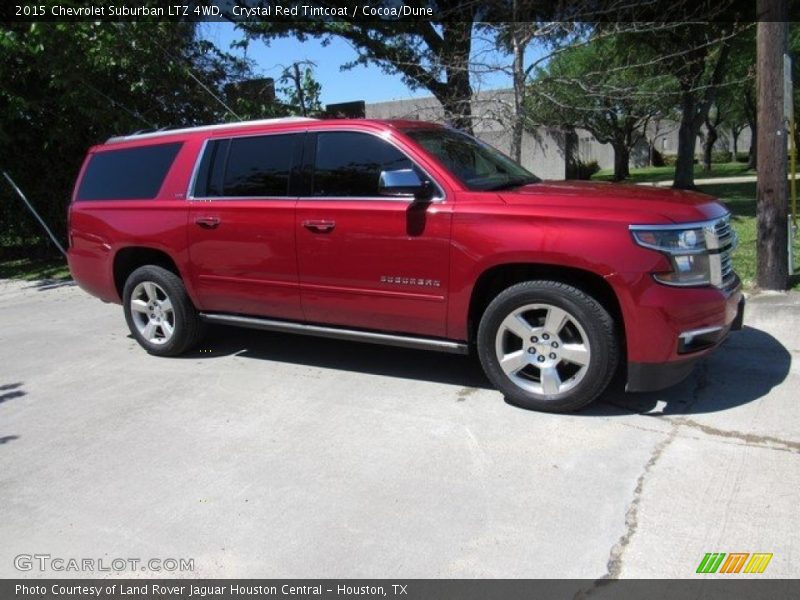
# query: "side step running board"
x,y
388,339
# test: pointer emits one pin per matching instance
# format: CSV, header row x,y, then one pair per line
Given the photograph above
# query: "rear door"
x,y
369,261
241,227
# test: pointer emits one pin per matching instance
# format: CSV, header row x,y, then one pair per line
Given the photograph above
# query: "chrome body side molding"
x,y
339,333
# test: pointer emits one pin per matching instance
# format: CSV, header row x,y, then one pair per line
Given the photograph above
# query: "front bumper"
x,y
692,346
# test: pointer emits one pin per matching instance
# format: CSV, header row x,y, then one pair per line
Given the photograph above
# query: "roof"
x,y
396,123
165,132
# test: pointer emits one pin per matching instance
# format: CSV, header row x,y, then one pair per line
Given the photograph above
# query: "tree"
x,y
591,87
735,99
67,86
433,55
695,55
514,38
302,90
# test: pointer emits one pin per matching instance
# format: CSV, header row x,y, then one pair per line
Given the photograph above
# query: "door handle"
x,y
208,222
319,226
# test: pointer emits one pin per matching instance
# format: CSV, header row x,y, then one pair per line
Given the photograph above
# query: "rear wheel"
x,y
548,346
159,312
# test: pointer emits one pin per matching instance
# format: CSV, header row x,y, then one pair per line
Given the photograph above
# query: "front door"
x,y
241,227
365,260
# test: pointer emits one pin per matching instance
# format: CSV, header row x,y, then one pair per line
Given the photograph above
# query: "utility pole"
x,y
772,269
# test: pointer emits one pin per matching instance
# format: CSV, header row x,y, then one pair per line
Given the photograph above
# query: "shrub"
x,y
669,159
583,170
742,157
721,156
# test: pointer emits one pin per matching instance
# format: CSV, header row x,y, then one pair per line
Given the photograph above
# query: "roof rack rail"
x,y
144,134
148,130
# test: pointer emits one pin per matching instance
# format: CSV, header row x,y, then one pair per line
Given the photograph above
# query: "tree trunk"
x,y
687,139
772,269
752,122
694,110
735,139
458,111
298,85
752,156
622,156
457,99
708,144
517,119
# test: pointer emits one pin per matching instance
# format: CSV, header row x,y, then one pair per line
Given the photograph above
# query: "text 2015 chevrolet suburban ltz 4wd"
x,y
404,233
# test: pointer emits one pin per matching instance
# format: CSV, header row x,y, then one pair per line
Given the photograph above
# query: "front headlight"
x,y
686,248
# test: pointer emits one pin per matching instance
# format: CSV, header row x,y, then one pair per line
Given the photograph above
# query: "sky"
x,y
368,83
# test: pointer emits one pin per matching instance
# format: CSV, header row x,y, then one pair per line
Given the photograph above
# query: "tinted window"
x,y
209,173
476,164
350,164
127,173
259,166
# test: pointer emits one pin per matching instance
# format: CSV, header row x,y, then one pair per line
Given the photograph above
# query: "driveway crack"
x,y
614,564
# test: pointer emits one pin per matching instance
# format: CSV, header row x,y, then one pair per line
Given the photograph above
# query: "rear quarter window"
x,y
127,173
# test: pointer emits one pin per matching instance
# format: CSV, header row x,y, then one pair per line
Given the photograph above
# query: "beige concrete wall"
x,y
543,152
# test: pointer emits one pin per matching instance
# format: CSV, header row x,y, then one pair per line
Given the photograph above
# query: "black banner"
x,y
255,11
712,588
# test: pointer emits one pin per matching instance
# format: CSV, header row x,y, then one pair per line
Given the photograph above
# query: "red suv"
x,y
404,233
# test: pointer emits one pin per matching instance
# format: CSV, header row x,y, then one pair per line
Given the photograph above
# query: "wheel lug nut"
x,y
531,350
541,358
555,344
534,339
545,337
553,355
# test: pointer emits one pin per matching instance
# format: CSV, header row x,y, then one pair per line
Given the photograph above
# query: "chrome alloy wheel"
x,y
542,349
152,312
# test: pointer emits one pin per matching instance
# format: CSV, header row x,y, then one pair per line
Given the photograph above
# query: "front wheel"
x,y
548,346
159,312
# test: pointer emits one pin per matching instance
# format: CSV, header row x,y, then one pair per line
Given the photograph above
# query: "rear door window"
x,y
127,173
247,167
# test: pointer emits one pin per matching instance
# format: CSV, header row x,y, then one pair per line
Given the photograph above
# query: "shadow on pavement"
x,y
345,356
9,391
747,366
45,285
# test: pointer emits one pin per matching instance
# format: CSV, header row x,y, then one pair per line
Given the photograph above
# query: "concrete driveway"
x,y
266,455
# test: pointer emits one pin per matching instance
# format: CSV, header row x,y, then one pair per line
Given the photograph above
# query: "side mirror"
x,y
404,182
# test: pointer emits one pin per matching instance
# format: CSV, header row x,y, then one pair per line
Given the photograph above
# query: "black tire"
x,y
182,319
586,318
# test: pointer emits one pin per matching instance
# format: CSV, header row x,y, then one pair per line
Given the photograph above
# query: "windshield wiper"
x,y
513,183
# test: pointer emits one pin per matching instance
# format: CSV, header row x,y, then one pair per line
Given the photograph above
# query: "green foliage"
x,y
592,86
721,156
583,170
67,86
302,91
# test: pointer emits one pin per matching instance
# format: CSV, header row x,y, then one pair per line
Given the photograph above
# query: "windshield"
x,y
476,164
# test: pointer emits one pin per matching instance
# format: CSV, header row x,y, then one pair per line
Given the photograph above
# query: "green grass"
x,y
650,174
741,200
33,269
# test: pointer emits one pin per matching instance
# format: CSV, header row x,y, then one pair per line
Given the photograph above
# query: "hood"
x,y
678,206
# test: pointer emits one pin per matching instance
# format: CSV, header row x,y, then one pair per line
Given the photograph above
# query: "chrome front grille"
x,y
722,262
